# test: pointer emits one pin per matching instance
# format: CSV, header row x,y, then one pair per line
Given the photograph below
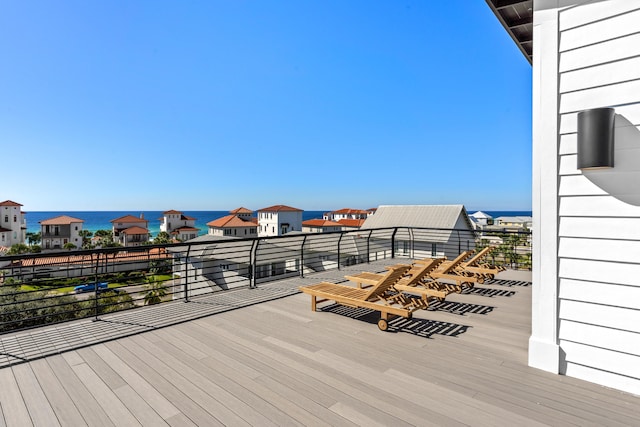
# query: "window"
x,y
6,218
15,218
434,252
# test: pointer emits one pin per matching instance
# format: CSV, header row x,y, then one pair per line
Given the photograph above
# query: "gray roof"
x,y
522,219
428,216
480,214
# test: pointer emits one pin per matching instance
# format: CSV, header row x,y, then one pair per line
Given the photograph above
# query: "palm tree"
x,y
33,238
155,292
162,238
86,238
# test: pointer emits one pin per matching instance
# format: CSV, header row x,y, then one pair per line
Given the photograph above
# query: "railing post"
x,y
339,240
95,287
186,274
411,251
253,260
304,240
393,243
369,247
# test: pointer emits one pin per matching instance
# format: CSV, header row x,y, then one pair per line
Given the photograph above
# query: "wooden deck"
x,y
278,363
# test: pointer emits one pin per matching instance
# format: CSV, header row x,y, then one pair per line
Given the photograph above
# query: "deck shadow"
x,y
488,292
420,327
460,308
508,283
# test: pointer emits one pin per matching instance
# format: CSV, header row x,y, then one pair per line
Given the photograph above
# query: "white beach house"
x,y
320,226
180,226
13,226
586,222
129,230
279,220
233,225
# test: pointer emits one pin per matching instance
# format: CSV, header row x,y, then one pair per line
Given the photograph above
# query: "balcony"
x,y
255,354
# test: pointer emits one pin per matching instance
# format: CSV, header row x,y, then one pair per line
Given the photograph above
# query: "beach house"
x,y
13,225
320,226
129,230
346,213
178,225
239,223
480,219
586,202
279,220
58,231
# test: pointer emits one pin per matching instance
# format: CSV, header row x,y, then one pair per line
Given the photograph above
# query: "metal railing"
x,y
54,287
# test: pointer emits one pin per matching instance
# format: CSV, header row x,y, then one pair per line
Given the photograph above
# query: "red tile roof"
x,y
240,210
179,229
280,208
129,218
135,230
4,230
350,211
155,253
352,222
231,221
61,220
320,223
171,212
9,203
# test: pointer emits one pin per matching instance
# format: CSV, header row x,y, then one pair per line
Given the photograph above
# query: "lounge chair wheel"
x,y
383,325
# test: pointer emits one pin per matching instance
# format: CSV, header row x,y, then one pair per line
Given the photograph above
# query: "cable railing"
x,y
55,287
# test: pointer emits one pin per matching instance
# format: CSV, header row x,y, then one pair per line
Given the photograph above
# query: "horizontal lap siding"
x,y
599,229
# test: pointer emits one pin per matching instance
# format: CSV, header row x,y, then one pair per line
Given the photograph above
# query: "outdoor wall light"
x,y
595,138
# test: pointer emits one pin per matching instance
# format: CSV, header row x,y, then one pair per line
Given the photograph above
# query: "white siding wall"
x,y
272,221
598,221
75,234
17,234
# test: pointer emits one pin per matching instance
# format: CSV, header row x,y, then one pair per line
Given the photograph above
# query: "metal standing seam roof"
x,y
429,216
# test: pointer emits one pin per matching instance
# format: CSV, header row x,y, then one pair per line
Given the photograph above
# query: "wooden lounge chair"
x,y
477,260
411,282
448,271
479,269
379,297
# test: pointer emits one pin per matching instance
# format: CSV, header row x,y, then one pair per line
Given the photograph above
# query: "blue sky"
x,y
212,105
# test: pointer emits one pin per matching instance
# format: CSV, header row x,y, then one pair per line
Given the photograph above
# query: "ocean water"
x,y
101,220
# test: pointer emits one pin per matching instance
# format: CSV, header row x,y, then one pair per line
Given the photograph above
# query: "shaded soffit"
x,y
516,16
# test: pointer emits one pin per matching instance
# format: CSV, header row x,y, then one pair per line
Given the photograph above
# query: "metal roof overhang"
x,y
516,16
